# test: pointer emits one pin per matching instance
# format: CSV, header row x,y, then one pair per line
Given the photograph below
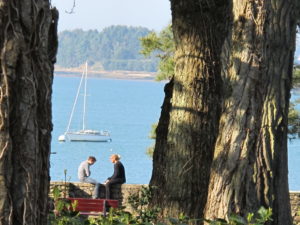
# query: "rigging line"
x,y
75,102
84,98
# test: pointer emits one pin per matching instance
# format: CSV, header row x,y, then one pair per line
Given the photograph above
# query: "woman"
x,y
118,176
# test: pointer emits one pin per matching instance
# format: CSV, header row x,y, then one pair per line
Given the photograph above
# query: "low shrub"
x,y
63,214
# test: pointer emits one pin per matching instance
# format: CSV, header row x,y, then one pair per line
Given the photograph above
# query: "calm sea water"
x,y
126,108
294,155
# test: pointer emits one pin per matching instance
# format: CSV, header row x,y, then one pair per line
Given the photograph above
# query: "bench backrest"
x,y
93,205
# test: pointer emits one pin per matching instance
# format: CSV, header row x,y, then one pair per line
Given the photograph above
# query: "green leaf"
x,y
56,192
237,220
173,220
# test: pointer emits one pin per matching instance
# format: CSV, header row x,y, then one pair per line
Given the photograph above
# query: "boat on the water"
x,y
83,134
86,135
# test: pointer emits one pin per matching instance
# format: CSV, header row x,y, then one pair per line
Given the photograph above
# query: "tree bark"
x,y
229,101
28,44
250,159
189,121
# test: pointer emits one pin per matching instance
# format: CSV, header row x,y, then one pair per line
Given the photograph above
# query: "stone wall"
x,y
85,190
122,192
295,205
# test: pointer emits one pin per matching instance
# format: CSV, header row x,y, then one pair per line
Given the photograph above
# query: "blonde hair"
x,y
116,156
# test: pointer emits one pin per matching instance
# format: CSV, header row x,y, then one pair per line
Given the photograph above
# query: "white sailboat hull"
x,y
84,134
88,135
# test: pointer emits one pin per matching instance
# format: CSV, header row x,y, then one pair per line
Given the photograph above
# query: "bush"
x,y
143,215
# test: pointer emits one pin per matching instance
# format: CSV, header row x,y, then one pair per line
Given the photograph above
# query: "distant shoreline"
x,y
117,74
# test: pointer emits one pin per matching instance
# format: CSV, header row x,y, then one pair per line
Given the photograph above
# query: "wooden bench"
x,y
95,207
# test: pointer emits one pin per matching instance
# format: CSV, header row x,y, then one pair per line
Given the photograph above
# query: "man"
x,y
84,174
118,176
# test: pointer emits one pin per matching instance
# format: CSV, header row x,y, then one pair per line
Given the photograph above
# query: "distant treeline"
x,y
114,48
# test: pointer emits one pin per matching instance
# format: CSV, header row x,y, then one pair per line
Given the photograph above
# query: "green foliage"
x,y
262,216
140,204
296,76
62,213
56,193
181,220
146,216
150,151
114,48
152,135
65,220
115,217
162,46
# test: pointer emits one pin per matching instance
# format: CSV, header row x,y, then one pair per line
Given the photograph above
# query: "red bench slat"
x,y
89,208
112,203
86,205
90,200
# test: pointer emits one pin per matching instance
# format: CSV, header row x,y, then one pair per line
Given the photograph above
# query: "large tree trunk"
x,y
189,121
28,44
249,139
250,160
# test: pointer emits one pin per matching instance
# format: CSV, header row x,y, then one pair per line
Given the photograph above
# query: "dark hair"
x,y
92,158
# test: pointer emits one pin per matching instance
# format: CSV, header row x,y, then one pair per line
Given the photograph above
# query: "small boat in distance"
x,y
83,134
86,135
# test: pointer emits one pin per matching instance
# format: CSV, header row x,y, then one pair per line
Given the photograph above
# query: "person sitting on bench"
x,y
84,173
118,176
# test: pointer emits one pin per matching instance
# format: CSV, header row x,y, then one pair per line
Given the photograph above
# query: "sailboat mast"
x,y
75,102
84,98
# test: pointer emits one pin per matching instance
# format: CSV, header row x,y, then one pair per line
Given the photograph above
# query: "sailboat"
x,y
84,134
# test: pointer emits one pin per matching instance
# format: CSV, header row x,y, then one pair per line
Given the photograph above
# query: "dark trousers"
x,y
109,184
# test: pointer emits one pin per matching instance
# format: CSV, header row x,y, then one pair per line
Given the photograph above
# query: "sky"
x,y
98,14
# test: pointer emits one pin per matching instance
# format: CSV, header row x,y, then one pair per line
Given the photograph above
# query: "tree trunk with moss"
x,y
250,159
188,124
28,43
221,144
